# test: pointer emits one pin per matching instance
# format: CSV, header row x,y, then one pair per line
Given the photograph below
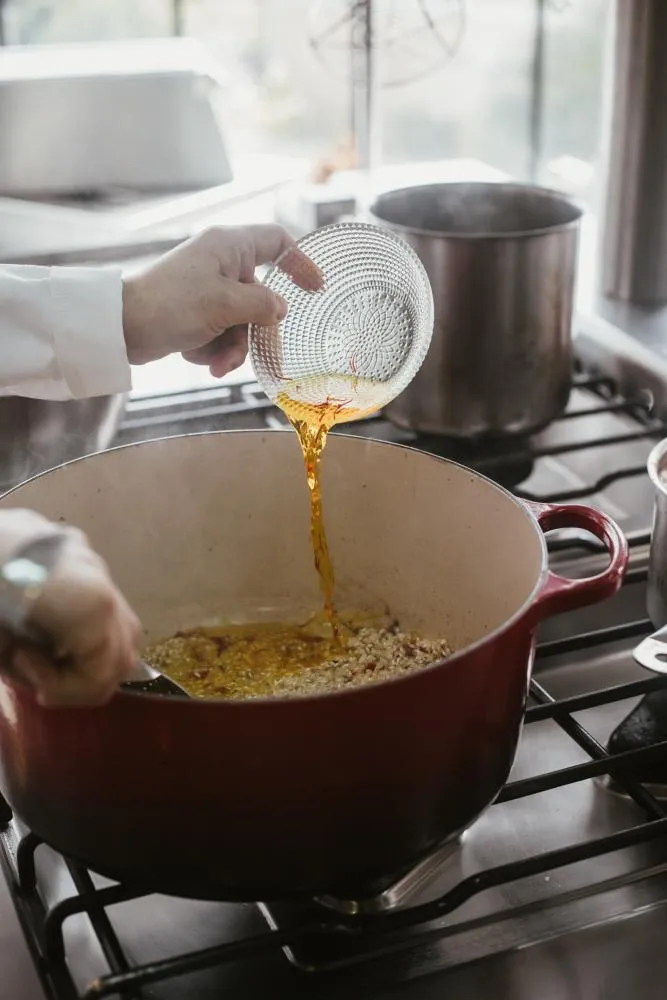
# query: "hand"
x,y
94,632
207,287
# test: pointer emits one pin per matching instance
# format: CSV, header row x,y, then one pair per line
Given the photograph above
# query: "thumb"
x,y
252,303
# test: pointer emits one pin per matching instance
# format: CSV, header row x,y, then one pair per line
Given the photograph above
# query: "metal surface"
x,y
537,77
37,434
365,78
652,652
107,253
65,128
656,598
634,247
628,344
500,362
116,224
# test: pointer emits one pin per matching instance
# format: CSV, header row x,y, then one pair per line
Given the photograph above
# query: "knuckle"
x,y
105,602
266,300
281,233
76,536
102,691
214,237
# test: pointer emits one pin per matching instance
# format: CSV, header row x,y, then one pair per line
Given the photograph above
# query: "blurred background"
x,y
127,126
460,75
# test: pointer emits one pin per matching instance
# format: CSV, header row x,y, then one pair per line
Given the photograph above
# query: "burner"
x,y
380,898
508,461
645,726
443,866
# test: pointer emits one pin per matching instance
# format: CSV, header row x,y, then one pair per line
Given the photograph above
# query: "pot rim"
x,y
518,234
363,690
654,463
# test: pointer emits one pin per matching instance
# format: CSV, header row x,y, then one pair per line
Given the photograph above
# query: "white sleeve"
x,y
61,332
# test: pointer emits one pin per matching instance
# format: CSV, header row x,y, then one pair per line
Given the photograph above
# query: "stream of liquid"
x,y
346,398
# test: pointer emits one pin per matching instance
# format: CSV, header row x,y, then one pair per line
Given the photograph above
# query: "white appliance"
x,y
139,114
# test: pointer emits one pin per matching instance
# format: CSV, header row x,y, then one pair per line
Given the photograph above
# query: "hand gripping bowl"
x,y
359,340
326,794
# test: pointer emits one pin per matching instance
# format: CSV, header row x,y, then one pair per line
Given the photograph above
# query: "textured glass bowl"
x,y
357,342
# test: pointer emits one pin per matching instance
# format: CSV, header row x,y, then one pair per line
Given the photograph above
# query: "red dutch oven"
x,y
270,798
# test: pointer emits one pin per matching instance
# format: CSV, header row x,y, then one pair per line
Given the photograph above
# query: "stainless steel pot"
x,y
652,651
656,596
36,434
501,259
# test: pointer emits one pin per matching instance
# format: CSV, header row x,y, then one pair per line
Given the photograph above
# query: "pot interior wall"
x,y
475,208
215,527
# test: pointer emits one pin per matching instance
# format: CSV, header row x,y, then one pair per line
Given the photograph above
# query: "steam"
x,y
475,209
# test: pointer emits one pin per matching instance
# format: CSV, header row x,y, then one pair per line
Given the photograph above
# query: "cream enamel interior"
x,y
214,527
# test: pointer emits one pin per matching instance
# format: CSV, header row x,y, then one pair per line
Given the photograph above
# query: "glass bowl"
x,y
357,342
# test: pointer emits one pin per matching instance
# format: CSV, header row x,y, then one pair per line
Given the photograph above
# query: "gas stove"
x,y
558,891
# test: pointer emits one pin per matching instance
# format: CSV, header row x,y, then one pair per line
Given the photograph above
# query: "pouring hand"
x,y
200,298
81,614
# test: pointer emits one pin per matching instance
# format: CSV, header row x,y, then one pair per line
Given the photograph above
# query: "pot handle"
x,y
561,594
652,652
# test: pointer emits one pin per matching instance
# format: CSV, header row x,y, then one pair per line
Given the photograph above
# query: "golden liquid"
x,y
254,660
243,661
346,398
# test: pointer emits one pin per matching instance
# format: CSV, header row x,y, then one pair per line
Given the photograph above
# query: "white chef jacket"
x,y
61,332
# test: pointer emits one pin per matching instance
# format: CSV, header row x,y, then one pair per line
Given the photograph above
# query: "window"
x,y
40,22
516,84
461,74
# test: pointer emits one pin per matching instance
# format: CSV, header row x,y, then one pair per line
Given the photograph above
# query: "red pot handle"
x,y
560,594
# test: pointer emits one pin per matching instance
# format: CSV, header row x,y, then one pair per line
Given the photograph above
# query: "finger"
x,y
130,630
236,338
273,243
268,242
223,355
301,269
228,351
228,360
220,359
98,657
93,678
62,686
130,633
243,303
31,667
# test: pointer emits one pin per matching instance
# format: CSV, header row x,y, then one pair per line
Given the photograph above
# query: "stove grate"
x,y
212,408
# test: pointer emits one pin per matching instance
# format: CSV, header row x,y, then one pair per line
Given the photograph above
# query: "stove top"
x,y
558,891
596,452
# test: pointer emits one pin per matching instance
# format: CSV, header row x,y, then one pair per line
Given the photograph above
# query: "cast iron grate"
x,y
244,404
